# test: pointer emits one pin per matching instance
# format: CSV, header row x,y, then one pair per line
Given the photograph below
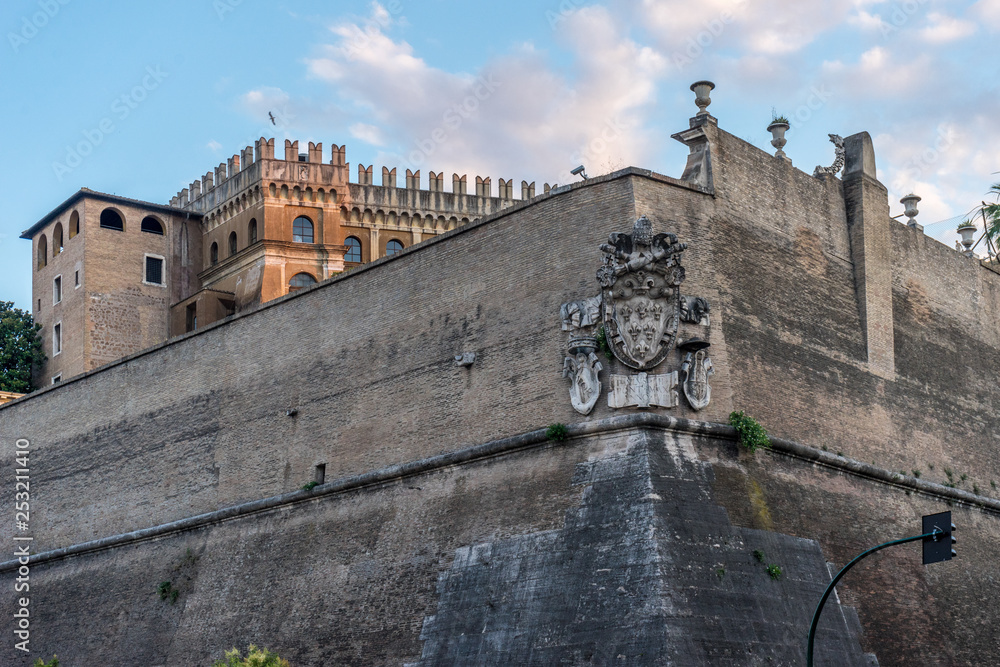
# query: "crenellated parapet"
x,y
254,176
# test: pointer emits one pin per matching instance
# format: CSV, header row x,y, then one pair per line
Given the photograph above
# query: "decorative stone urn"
x,y
909,203
702,90
777,128
967,230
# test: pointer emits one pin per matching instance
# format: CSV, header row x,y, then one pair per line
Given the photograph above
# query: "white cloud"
x,y
943,28
514,112
214,146
367,133
987,11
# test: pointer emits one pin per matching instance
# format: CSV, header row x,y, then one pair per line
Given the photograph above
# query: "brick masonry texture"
x,y
366,359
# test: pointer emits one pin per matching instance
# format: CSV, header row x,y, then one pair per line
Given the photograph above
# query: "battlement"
x,y
263,149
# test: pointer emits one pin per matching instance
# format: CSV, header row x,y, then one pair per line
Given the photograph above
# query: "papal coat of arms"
x,y
640,281
636,317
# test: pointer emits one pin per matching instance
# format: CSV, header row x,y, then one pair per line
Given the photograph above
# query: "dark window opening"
x,y
232,243
77,278
57,239
215,253
151,225
111,220
57,379
57,290
154,270
300,280
192,317
43,249
252,232
228,305
353,249
57,339
302,230
74,224
392,247
320,473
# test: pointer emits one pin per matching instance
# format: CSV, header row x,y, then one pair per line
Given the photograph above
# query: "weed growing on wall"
x,y
752,434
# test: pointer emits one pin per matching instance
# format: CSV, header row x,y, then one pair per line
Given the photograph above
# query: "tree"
x,y
20,348
991,216
256,657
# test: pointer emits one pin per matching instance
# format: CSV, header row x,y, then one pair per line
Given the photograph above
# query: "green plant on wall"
x,y
602,342
557,432
168,592
256,657
752,435
41,663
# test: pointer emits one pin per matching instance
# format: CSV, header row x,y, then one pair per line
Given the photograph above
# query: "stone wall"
x,y
358,373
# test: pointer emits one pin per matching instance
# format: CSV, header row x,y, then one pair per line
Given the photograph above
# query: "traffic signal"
x,y
940,531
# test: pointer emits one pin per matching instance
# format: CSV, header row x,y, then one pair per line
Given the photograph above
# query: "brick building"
x,y
115,275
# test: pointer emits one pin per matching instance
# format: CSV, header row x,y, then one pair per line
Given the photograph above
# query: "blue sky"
x,y
157,94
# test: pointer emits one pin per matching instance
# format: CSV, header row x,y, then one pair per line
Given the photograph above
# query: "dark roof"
x,y
94,194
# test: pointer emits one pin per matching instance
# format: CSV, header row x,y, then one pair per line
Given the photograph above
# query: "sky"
x,y
141,99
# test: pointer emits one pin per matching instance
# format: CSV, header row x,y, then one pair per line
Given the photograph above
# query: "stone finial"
x,y
909,203
459,183
527,190
702,91
291,150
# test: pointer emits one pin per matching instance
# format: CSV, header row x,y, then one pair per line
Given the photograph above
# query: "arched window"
x,y
151,225
111,220
302,230
215,253
232,243
74,224
300,280
353,249
57,239
252,231
392,247
43,251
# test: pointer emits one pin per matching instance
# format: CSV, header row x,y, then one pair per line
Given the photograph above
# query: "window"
x,y
151,225
353,249
56,379
302,230
232,243
252,232
77,279
39,304
56,290
320,473
74,224
300,280
43,249
392,247
111,220
215,253
57,339
57,239
154,270
192,317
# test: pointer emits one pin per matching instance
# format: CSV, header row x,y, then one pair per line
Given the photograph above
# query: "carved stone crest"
x,y
581,365
640,281
695,369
